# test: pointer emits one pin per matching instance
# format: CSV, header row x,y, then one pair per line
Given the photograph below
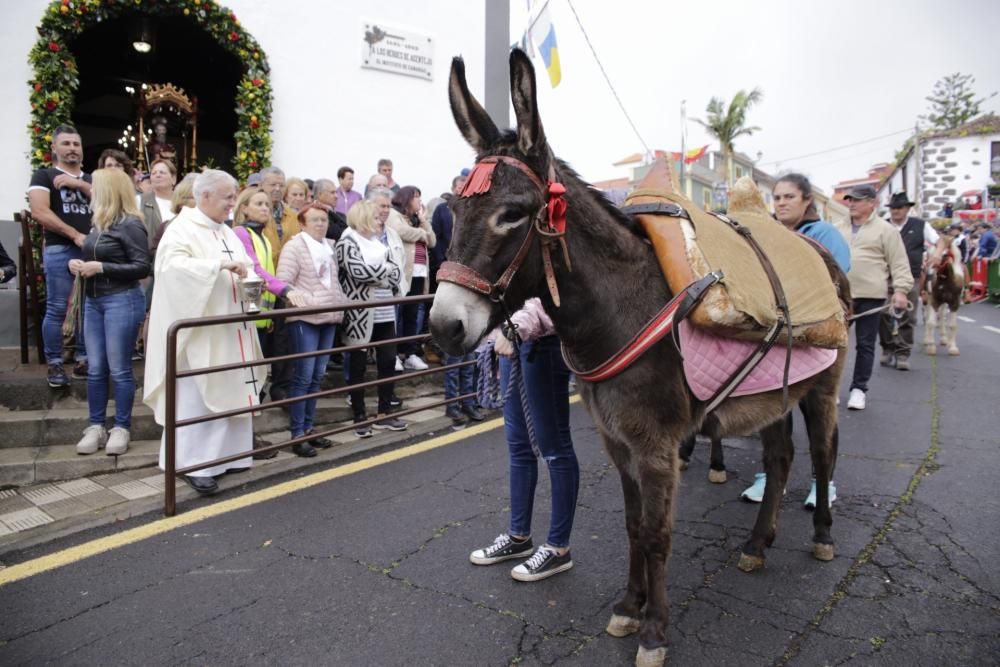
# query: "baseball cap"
x,y
860,192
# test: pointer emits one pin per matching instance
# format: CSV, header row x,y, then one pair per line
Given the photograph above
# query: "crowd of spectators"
x,y
312,242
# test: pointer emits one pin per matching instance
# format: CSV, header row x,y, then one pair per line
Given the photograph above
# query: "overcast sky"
x,y
832,74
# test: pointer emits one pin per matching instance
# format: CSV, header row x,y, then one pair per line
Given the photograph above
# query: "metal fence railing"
x,y
172,424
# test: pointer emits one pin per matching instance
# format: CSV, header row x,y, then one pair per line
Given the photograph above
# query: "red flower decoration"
x,y
53,47
234,37
38,130
47,157
254,124
253,164
258,83
51,104
38,87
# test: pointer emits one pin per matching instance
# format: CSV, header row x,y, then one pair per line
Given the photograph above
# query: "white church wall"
x,y
328,110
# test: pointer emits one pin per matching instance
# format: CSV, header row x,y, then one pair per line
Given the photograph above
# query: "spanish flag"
x,y
544,37
691,155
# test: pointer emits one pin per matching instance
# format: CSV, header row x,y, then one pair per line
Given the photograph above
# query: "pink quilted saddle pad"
x,y
710,360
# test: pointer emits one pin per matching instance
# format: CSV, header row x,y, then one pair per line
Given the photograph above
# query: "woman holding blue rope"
x,y
536,423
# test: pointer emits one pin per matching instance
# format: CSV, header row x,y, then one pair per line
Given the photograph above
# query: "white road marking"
x,y
965,319
993,329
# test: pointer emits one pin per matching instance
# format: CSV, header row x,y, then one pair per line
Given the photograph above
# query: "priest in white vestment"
x,y
199,263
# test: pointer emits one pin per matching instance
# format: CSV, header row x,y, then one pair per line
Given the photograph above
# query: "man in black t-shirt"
x,y
59,197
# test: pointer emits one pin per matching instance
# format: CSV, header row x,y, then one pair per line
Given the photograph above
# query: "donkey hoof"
x,y
651,657
717,476
622,626
953,351
823,552
685,464
931,350
750,563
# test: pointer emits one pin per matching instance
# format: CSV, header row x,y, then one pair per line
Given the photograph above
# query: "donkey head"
x,y
493,215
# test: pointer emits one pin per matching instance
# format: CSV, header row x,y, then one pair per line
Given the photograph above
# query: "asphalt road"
x,y
372,568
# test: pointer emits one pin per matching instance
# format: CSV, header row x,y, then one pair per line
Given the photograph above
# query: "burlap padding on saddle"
x,y
743,306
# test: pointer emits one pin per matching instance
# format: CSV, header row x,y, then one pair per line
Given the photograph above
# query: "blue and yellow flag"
x,y
544,37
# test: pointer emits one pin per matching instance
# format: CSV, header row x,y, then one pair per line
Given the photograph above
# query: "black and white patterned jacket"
x,y
359,279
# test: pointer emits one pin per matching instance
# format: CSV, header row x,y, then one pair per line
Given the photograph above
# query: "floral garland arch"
x,y
56,77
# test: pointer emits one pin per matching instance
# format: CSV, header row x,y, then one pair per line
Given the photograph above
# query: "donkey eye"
x,y
510,216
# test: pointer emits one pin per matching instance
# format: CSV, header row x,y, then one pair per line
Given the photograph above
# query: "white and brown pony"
x,y
945,284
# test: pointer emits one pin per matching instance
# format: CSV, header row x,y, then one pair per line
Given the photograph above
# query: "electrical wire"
x,y
608,79
839,148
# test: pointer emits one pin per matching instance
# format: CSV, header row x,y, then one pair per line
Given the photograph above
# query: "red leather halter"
x,y
551,227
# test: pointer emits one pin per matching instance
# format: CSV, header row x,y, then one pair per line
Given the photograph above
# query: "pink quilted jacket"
x,y
296,268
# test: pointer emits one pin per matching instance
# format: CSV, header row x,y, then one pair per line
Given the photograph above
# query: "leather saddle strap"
x,y
780,301
658,208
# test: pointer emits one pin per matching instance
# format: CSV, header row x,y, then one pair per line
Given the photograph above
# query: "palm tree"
x,y
728,124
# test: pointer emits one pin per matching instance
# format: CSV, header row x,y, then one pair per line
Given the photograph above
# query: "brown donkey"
x,y
608,286
945,290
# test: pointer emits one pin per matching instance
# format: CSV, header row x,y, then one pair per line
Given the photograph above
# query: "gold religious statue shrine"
x,y
162,108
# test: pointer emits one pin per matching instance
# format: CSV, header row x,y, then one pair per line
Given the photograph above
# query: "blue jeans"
x,y
546,381
459,381
112,325
307,373
408,318
58,290
865,334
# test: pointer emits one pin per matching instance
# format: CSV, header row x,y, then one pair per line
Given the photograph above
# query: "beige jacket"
x,y
410,235
877,255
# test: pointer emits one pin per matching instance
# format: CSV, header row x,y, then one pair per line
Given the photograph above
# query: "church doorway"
x,y
208,82
114,76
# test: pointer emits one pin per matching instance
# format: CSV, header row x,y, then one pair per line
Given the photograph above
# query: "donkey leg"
x,y
778,453
687,447
717,466
657,483
930,324
824,439
627,612
953,331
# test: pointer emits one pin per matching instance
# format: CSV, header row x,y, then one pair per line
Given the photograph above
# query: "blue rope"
x,y
491,395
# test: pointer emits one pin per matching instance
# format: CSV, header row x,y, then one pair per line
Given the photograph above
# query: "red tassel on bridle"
x,y
480,179
557,207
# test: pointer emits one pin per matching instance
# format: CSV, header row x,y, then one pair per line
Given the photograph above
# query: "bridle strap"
x,y
549,222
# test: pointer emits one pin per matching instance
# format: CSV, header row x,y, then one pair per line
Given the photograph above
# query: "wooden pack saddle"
x,y
775,265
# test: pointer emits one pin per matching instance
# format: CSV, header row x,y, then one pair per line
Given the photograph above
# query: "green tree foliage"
x,y
727,123
953,102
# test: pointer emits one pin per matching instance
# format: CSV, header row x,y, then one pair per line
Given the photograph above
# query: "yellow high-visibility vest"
x,y
262,248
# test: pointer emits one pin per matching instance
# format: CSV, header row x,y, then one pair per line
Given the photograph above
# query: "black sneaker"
x,y
80,369
390,424
304,449
395,402
473,412
57,376
504,547
364,431
319,443
543,564
456,415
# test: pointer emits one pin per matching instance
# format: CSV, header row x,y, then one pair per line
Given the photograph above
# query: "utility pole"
x,y
918,176
684,187
497,51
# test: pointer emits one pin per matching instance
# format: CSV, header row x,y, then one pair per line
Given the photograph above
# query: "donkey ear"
x,y
530,137
473,122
